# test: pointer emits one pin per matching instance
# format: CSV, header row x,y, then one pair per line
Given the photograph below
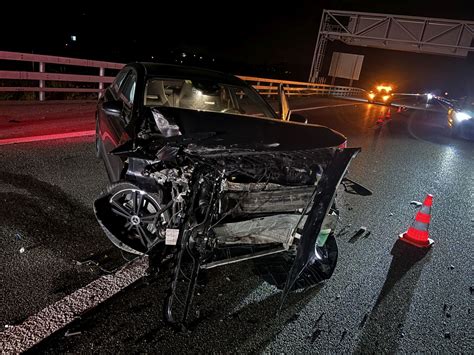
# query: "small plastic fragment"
x,y
70,334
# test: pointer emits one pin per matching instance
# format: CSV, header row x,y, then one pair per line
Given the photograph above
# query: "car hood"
x,y
222,129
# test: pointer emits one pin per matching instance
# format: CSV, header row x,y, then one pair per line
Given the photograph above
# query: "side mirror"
x,y
296,117
113,108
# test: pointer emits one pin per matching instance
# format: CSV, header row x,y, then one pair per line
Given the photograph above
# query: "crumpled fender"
x,y
307,254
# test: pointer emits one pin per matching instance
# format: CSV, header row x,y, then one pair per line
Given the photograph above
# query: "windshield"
x,y
205,96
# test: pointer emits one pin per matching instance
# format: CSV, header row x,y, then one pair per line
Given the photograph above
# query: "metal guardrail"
x,y
264,86
270,87
42,76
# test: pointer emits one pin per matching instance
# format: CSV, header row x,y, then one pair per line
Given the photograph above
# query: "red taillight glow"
x,y
46,137
343,145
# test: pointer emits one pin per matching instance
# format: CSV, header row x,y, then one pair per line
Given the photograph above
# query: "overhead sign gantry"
x,y
394,32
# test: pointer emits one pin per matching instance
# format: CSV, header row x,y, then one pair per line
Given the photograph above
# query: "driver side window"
x,y
119,79
127,95
127,91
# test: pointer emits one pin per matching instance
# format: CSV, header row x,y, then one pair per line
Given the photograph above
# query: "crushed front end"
x,y
202,206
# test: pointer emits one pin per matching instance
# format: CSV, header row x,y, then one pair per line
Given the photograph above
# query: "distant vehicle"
x,y
381,94
204,173
461,118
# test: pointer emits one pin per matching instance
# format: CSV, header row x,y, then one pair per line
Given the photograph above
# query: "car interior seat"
x,y
155,94
185,97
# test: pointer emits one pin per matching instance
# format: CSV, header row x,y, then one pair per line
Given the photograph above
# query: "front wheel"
x,y
133,219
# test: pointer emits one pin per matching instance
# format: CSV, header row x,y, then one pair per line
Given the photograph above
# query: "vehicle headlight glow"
x,y
371,95
385,97
461,116
429,96
384,88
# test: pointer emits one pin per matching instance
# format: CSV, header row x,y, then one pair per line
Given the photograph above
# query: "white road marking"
x,y
19,338
320,107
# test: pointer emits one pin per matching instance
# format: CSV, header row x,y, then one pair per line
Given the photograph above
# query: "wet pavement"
x,y
384,296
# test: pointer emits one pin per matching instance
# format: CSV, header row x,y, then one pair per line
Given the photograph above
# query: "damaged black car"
x,y
205,173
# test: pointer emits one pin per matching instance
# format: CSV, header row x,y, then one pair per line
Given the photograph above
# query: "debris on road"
x,y
319,319
70,334
416,203
227,278
315,335
18,236
447,310
362,230
344,333
22,250
451,267
343,231
447,335
292,319
363,321
93,263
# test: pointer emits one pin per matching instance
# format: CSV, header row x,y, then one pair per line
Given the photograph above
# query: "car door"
x,y
113,127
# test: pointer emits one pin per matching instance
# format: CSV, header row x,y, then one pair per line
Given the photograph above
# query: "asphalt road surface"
x,y
384,296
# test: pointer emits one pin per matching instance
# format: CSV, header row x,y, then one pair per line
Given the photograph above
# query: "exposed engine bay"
x,y
196,205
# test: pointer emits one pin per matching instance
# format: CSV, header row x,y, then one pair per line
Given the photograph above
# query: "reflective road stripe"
x,y
37,327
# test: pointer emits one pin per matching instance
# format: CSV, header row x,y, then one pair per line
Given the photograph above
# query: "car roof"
x,y
185,72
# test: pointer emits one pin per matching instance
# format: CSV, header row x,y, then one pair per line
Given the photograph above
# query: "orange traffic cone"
x,y
388,114
417,234
399,109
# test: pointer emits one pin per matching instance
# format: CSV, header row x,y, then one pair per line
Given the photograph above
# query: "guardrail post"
x,y
41,82
101,84
269,90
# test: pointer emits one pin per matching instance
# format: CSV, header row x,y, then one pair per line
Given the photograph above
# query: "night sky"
x,y
243,37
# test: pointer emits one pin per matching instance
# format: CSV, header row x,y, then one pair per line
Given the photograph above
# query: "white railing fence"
x,y
43,77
